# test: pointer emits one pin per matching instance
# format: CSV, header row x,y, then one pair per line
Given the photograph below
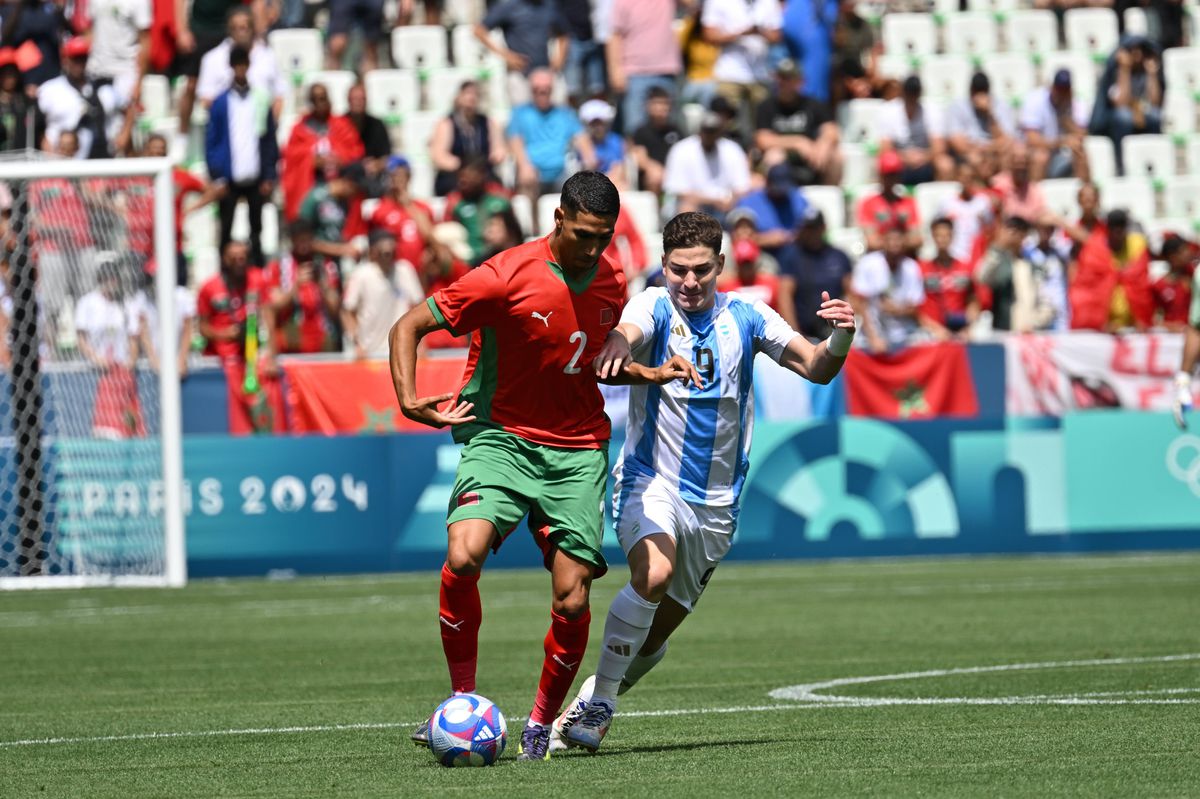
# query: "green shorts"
x,y
503,477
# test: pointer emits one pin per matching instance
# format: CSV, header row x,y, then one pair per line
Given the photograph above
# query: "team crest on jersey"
x,y
606,316
468,498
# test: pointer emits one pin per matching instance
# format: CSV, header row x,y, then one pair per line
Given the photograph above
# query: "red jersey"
x,y
221,306
878,212
948,290
60,216
764,287
533,339
392,217
1172,298
303,325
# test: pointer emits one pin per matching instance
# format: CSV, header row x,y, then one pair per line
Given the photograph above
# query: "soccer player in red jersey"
x,y
532,420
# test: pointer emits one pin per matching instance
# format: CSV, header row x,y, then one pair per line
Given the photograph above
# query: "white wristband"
x,y
1183,380
839,341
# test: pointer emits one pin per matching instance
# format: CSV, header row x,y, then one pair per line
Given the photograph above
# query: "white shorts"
x,y
645,506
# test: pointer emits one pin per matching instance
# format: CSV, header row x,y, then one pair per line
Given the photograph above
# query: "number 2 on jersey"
x,y
573,367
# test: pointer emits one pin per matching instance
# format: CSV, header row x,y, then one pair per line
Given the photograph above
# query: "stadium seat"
x,y
643,209
1191,154
1134,194
468,51
298,51
861,115
200,229
849,240
1179,113
1135,21
1149,155
1157,229
462,12
416,131
832,202
857,164
423,174
442,85
419,47
1092,31
284,128
998,8
392,93
1012,75
972,33
909,34
691,114
941,9
1101,158
1181,197
1032,31
523,212
946,78
898,67
1181,69
156,97
337,82
1062,196
1081,67
930,196
546,205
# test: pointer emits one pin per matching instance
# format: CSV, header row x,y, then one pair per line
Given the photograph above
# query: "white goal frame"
x,y
171,426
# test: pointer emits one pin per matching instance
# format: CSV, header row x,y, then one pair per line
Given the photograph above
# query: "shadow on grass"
x,y
735,743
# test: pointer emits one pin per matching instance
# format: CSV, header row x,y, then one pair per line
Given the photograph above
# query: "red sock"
x,y
459,617
565,644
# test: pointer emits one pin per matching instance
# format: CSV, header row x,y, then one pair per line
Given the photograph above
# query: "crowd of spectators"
x,y
591,85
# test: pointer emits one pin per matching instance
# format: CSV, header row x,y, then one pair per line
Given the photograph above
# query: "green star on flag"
x,y
912,400
378,421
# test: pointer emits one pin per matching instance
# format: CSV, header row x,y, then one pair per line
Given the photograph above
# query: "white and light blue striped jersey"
x,y
698,438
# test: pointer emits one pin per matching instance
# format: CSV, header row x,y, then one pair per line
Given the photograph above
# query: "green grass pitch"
x,y
309,687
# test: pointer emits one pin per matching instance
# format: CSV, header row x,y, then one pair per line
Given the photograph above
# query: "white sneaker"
x,y
572,714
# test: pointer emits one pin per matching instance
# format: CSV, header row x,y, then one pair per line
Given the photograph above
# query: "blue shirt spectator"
x,y
528,27
778,209
546,132
808,27
609,147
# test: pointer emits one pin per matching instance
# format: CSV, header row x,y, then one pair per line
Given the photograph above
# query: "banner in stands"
x,y
917,383
1050,375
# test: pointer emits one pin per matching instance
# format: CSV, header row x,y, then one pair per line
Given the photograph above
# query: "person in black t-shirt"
x,y
807,268
375,139
798,129
653,140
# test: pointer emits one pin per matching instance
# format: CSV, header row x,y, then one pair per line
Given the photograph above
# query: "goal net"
x,y
90,463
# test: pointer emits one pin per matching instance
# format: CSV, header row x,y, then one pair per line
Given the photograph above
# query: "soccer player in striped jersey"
x,y
686,451
532,420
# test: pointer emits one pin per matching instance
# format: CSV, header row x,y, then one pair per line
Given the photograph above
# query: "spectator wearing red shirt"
x,y
305,296
890,208
140,207
950,302
318,141
409,220
222,308
1110,290
748,280
1173,291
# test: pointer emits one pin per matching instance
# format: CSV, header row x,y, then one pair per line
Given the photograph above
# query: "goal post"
x,y
91,463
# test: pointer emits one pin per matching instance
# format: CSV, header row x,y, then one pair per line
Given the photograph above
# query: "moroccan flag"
x,y
916,383
333,398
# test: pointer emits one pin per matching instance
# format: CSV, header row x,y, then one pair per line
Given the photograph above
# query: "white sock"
x,y
625,630
532,723
638,668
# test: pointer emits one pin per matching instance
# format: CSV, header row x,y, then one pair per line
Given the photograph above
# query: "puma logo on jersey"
x,y
564,664
451,624
545,319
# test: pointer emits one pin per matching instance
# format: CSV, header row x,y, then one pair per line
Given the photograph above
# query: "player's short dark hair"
x,y
940,221
692,229
239,56
592,193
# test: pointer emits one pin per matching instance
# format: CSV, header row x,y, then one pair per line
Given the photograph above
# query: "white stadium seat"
x,y
946,78
831,201
995,7
546,205
523,212
1101,157
1179,113
972,33
643,210
1181,69
298,51
442,85
909,34
469,51
419,46
421,183
337,82
857,164
1062,196
1192,154
1091,30
1012,75
861,115
1136,23
1181,197
897,66
1081,67
930,196
392,93
416,131
1149,155
1157,229
463,12
849,240
1134,194
156,97
1031,31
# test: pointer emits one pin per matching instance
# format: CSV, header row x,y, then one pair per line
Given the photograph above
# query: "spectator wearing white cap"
x,y
597,117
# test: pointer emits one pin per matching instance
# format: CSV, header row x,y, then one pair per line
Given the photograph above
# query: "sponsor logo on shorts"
x,y
469,498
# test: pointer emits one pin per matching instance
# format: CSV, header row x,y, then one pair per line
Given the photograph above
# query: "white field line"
x,y
806,695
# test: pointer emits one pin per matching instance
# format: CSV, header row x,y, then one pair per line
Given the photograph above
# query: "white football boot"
x,y
572,714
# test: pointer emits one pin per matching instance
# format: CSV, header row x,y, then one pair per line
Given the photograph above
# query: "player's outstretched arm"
x,y
402,346
821,362
1183,380
617,352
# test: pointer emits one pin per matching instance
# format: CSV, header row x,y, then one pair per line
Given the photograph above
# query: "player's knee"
x,y
571,603
462,561
652,582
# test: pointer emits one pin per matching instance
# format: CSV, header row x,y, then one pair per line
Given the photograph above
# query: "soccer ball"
x,y
467,730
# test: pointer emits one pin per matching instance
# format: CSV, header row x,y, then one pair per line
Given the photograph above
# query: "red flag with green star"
x,y
916,383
